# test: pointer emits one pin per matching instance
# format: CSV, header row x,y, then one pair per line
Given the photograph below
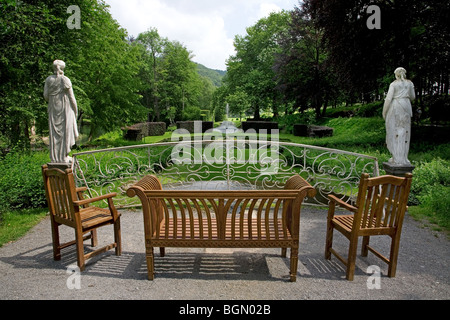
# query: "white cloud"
x,y
205,27
266,9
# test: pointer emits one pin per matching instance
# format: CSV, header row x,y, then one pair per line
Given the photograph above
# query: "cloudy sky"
x,y
205,27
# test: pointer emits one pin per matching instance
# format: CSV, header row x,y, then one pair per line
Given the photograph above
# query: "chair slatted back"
x,y
60,192
382,201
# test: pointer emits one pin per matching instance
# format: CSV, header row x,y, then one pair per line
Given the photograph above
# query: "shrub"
x,y
427,176
192,114
287,122
139,131
437,200
430,190
21,184
154,129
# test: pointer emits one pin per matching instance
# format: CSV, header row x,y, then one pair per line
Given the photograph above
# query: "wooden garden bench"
x,y
222,219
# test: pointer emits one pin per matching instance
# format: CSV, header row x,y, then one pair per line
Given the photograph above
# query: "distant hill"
x,y
216,76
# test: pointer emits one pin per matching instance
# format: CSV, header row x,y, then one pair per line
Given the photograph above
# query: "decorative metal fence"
x,y
228,164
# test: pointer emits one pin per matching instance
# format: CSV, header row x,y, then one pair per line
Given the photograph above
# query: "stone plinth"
x,y
195,126
60,166
304,130
397,170
320,131
259,125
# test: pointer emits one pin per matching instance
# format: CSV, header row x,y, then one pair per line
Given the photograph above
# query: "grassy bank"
x,y
15,223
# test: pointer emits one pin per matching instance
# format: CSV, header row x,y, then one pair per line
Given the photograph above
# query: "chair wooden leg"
x,y
150,264
294,264
56,243
351,260
365,244
94,239
80,249
118,237
162,252
329,241
283,252
395,245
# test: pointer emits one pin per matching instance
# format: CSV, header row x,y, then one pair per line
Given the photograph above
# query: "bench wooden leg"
x,y
283,252
294,264
162,252
150,264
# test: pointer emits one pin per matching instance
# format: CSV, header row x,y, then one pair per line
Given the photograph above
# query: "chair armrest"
x,y
343,204
81,189
94,199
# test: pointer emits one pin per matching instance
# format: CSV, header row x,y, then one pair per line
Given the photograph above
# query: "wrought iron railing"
x,y
229,164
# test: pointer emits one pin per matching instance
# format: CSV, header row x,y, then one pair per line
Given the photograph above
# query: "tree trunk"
x,y
92,132
257,115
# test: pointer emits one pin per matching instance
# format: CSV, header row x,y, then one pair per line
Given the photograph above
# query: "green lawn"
x,y
15,224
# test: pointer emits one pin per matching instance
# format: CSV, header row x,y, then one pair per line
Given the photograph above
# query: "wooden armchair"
x,y
68,207
380,208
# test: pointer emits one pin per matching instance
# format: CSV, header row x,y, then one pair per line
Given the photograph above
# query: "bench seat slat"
x,y
274,233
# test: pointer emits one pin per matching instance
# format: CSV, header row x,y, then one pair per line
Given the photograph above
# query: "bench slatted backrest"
x,y
223,215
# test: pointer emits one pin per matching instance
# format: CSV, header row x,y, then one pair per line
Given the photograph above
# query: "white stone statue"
x,y
62,114
397,112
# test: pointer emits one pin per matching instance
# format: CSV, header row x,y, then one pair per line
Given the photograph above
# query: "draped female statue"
x,y
397,112
62,114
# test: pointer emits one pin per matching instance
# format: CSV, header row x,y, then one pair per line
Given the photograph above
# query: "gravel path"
x,y
28,272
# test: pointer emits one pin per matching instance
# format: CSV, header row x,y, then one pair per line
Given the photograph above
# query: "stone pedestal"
x,y
397,170
60,166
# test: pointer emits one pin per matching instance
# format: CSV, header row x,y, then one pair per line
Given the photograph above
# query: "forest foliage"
x,y
324,53
320,54
117,79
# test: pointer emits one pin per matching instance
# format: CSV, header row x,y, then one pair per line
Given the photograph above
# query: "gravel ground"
x,y
28,272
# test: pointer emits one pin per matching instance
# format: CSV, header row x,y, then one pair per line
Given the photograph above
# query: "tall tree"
x,y
238,103
31,35
414,34
100,63
250,69
303,72
170,80
181,83
154,47
107,69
